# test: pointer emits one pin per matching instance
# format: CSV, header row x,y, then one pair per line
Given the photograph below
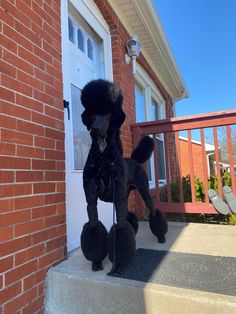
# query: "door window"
x,y
71,30
80,39
86,64
83,37
81,137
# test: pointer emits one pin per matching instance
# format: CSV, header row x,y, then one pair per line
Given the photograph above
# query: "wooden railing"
x,y
196,165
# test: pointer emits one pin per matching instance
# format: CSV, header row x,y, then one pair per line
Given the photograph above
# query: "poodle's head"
x,y
102,101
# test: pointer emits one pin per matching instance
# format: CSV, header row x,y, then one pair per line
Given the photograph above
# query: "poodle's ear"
x,y
86,119
118,118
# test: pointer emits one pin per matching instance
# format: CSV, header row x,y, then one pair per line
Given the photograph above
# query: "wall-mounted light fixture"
x,y
133,47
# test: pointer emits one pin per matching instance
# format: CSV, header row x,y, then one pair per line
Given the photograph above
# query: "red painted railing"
x,y
198,161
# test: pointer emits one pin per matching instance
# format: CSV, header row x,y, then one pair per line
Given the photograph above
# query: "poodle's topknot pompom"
x,y
101,97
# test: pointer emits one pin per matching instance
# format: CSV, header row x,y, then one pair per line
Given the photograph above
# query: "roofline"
x,y
208,147
149,16
169,57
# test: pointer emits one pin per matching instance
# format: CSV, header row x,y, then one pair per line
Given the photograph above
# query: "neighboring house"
x,y
49,51
198,167
197,158
224,155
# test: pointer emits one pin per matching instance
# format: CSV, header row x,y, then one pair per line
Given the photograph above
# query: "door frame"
x,y
94,18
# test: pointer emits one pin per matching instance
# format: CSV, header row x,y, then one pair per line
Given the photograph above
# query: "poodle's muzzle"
x,y
100,125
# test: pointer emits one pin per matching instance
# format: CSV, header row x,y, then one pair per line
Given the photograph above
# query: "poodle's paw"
x,y
133,220
116,271
161,239
94,244
121,245
97,266
158,225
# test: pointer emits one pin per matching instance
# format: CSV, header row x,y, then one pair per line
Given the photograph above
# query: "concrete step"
x,y
72,288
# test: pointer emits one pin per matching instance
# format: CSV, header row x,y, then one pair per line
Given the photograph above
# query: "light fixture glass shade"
x,y
133,46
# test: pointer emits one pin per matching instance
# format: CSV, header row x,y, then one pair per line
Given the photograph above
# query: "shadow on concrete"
x,y
215,274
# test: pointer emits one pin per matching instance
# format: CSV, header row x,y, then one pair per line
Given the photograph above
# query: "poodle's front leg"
x,y
94,234
121,207
90,189
121,238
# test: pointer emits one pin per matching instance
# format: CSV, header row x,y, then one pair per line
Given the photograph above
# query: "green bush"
x,y
232,220
198,187
200,197
225,180
186,183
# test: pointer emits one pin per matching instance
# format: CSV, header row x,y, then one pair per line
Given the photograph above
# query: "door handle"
x,y
67,106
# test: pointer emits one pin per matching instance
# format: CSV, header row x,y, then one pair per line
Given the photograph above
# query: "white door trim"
x,y
89,11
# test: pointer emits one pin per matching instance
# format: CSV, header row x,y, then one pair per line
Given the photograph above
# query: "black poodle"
x,y
110,177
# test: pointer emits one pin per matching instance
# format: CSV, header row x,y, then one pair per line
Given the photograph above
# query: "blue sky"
x,y
202,36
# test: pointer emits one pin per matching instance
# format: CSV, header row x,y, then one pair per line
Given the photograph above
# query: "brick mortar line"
x,y
31,111
31,195
29,235
34,67
31,8
21,281
31,52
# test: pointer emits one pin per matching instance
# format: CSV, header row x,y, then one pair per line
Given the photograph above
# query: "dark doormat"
x,y
192,271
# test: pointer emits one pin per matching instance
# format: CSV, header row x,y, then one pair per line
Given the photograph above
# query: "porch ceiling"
x,y
139,17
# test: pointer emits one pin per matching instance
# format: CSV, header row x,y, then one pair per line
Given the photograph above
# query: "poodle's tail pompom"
x,y
144,150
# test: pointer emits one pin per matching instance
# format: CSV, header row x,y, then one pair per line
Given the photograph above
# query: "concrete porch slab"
x,y
73,288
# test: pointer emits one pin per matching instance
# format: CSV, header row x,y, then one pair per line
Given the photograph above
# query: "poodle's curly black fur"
x,y
110,177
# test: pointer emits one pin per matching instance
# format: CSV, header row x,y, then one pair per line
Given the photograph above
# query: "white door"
x,y
83,60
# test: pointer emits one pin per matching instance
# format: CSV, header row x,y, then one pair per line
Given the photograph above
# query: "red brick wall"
x,y
32,187
197,159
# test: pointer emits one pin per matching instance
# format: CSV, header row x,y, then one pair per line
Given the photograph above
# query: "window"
x,y
155,115
90,48
71,30
81,137
80,39
154,111
140,103
161,157
85,39
150,106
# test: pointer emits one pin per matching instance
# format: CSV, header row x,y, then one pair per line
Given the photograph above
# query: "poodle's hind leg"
x,y
133,220
157,221
131,217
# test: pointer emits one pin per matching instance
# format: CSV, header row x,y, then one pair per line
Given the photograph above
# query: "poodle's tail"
x,y
144,150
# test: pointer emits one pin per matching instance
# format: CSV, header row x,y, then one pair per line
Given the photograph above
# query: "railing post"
x,y
191,167
231,158
167,167
137,134
181,196
157,196
217,155
204,162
